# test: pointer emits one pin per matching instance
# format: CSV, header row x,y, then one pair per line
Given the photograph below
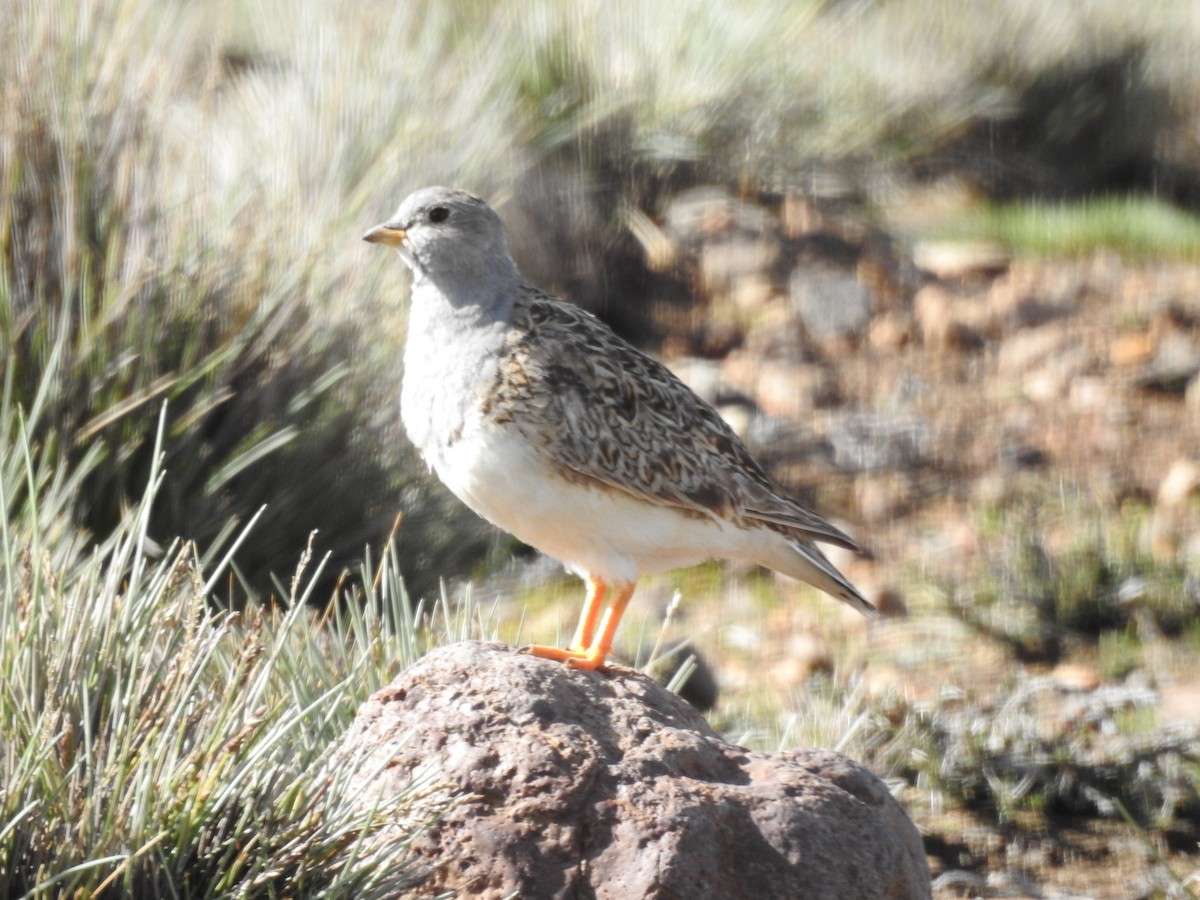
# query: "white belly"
x,y
594,531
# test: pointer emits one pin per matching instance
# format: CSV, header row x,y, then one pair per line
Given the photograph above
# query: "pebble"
x,y
829,300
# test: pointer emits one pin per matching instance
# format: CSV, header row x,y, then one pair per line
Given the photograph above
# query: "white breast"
x,y
593,530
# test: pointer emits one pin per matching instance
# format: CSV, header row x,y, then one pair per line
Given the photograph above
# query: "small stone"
x,y
1191,551
739,417
792,391
1180,702
752,291
865,441
993,488
1179,484
882,498
1090,395
890,332
940,330
699,213
703,376
889,602
800,215
733,244
1175,364
1076,676
1191,396
962,259
728,263
1131,349
830,301
1026,349
806,656
1045,385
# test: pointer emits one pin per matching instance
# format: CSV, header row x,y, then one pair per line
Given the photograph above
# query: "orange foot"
x,y
589,648
587,660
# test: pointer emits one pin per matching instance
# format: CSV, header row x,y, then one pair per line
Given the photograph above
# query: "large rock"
x,y
604,785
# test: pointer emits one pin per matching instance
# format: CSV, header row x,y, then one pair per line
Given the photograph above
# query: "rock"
x,y
1179,484
1176,362
1076,676
1170,521
752,291
962,259
889,602
1025,349
1093,395
866,441
1181,703
1048,362
790,391
1131,349
806,656
604,785
737,266
940,328
890,332
1033,312
734,244
884,497
1044,385
701,689
700,213
1191,396
801,215
779,380
831,301
703,376
740,416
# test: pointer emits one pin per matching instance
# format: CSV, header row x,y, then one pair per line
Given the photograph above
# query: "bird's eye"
x,y
439,214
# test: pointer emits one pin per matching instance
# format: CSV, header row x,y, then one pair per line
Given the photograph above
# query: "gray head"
x,y
450,237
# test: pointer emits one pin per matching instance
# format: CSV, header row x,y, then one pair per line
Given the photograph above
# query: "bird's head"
x,y
444,233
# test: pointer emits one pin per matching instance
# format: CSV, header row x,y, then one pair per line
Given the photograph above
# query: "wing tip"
x,y
851,597
824,575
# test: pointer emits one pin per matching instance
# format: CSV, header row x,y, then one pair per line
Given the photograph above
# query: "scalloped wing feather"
x,y
604,411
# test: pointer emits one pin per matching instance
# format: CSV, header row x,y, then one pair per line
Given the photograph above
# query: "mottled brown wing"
x,y
605,411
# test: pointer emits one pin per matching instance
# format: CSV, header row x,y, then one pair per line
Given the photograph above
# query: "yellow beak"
x,y
386,234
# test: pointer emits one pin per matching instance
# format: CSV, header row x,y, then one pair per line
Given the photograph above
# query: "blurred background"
x,y
938,261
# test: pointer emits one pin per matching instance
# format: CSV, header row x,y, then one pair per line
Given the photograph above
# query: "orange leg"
x,y
597,590
592,657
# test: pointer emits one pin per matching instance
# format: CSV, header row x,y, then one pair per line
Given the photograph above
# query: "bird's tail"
x,y
807,563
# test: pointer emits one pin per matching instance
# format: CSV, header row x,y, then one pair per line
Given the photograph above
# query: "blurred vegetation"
x,y
1041,602
182,186
153,745
1138,227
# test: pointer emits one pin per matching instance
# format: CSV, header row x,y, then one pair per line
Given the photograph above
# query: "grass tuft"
x,y
155,745
1138,228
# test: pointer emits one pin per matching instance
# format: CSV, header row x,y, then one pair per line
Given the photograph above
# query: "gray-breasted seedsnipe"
x,y
547,424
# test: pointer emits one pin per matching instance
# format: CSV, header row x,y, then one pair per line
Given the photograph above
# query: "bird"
x,y
549,425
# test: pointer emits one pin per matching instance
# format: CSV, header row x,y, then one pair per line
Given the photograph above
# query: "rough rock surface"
x,y
604,785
